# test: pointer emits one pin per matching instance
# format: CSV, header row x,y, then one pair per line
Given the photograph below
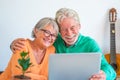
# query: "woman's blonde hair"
x,y
44,22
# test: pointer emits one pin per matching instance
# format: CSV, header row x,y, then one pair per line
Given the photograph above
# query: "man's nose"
x,y
68,32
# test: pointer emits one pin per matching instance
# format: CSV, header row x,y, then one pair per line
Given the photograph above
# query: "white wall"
x,y
18,17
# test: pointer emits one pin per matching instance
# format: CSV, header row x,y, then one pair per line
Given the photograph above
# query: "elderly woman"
x,y
44,33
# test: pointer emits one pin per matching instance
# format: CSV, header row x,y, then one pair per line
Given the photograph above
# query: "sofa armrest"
x,y
1,72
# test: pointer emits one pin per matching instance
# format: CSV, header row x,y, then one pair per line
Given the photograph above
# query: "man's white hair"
x,y
65,13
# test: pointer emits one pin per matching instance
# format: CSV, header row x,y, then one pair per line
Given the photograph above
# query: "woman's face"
x,y
45,36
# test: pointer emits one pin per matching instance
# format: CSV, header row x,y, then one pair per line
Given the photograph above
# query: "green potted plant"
x,y
24,63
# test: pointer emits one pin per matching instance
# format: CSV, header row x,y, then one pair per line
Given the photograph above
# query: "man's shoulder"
x,y
86,38
58,40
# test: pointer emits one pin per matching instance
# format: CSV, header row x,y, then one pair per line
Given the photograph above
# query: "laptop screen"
x,y
77,66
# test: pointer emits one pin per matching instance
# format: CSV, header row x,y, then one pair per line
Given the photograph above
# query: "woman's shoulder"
x,y
51,49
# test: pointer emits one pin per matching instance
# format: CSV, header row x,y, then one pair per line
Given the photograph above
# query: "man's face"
x,y
69,29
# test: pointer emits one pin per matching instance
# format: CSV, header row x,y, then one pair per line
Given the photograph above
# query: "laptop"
x,y
77,66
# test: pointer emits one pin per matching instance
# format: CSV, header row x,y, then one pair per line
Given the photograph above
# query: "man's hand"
x,y
100,76
17,44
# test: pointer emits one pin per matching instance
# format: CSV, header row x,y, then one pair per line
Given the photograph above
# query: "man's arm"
x,y
105,66
100,76
17,44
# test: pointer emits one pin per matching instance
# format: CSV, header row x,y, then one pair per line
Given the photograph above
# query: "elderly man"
x,y
70,40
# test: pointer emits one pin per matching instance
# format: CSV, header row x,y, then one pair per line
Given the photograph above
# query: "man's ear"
x,y
79,26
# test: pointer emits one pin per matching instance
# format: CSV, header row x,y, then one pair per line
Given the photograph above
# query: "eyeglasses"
x,y
48,34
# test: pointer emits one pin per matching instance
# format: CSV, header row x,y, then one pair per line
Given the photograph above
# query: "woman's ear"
x,y
35,32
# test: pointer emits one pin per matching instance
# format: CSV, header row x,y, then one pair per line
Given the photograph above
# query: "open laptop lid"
x,y
77,66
